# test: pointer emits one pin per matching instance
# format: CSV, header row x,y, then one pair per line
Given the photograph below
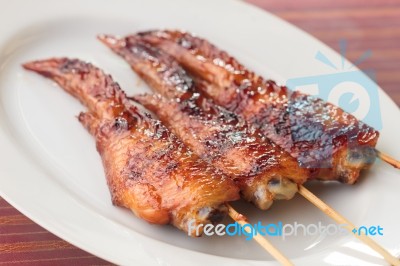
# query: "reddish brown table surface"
x,y
366,25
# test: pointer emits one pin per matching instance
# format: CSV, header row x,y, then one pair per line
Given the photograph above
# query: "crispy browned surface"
x,y
215,134
334,144
148,170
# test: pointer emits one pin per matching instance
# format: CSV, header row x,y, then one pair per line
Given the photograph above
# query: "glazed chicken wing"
x,y
148,170
321,136
263,171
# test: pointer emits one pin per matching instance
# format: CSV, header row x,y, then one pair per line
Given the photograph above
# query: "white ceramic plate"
x,y
51,171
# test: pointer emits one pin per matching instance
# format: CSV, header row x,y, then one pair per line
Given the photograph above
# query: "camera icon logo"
x,y
352,90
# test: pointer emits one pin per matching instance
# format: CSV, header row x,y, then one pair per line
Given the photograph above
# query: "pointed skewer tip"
x,y
349,226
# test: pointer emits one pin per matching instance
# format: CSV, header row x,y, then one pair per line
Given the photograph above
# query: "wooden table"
x,y
366,25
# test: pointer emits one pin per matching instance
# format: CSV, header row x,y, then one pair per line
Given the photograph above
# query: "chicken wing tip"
x,y
41,65
109,40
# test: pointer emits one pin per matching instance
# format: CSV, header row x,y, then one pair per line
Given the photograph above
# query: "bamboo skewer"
x,y
388,159
349,226
264,243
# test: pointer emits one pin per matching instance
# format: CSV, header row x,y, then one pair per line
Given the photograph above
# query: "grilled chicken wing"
x,y
263,171
148,170
321,136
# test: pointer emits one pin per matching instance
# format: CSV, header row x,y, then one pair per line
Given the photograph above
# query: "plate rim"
x,y
83,245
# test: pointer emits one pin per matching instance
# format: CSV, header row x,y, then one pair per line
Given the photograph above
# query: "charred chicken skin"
x,y
333,144
262,169
148,170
